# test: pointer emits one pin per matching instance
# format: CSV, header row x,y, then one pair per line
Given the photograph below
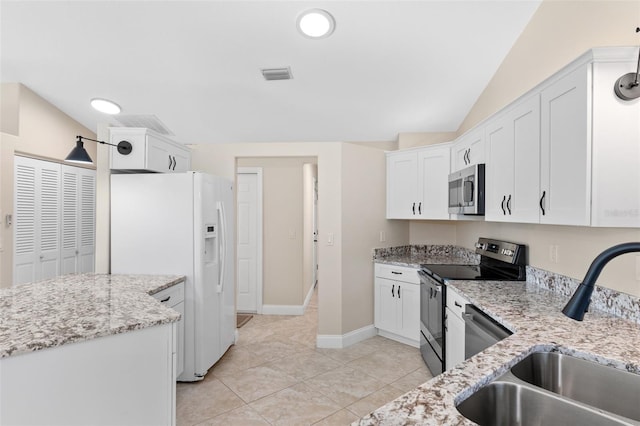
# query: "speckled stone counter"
x,y
534,314
415,255
74,308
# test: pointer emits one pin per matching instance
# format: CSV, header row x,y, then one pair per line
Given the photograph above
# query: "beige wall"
x,y
220,159
283,202
351,206
43,131
559,32
410,140
363,218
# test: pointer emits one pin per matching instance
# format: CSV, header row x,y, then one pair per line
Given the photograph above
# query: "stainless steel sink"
x,y
512,404
548,388
603,387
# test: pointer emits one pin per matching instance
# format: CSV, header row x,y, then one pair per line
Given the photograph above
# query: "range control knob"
x,y
481,246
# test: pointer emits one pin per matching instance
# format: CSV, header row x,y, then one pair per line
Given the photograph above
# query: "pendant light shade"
x,y
79,154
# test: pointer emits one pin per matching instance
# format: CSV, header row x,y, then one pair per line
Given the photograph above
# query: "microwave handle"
x,y
467,194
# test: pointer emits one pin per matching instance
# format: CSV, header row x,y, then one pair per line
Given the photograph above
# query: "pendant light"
x,y
79,155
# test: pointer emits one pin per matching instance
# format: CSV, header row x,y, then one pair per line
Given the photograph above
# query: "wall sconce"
x,y
627,87
79,155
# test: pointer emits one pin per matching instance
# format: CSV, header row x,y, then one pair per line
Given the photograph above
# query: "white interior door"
x,y
249,240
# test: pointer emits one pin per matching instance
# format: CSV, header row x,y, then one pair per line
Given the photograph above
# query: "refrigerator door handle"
x,y
222,227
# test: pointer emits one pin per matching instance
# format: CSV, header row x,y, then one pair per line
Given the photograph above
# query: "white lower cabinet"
x,y
397,303
454,329
173,297
122,379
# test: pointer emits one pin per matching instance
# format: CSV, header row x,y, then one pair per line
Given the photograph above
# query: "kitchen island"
x,y
533,313
88,349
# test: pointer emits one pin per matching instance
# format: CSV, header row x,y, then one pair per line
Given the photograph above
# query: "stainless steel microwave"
x,y
466,191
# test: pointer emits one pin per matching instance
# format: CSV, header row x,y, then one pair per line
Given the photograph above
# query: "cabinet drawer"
x,y
397,273
455,302
171,296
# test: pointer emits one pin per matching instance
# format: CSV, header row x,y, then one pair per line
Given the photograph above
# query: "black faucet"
x,y
579,303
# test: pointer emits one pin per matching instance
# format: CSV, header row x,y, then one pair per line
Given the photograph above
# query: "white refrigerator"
x,y
181,223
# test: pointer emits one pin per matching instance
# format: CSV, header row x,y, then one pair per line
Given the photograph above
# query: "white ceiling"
x,y
389,67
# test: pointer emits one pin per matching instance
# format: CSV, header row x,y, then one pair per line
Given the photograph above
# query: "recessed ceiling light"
x,y
316,23
106,106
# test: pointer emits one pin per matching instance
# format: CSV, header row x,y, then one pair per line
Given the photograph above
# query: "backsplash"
x,y
427,251
603,299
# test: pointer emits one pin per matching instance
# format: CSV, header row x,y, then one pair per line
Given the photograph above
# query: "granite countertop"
x,y
534,315
73,308
416,255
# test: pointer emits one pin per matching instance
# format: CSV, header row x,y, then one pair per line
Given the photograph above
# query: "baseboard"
x,y
401,339
339,341
282,310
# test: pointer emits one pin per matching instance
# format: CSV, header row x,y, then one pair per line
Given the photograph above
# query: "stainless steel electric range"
x,y
499,260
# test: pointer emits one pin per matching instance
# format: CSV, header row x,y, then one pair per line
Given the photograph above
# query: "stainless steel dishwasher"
x,y
480,331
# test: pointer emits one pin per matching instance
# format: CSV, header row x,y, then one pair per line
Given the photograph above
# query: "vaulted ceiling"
x,y
389,66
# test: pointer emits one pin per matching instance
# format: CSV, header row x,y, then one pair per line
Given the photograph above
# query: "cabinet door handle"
x,y
170,162
420,207
396,273
544,193
502,205
166,299
174,163
509,204
413,209
398,291
457,304
393,288
430,293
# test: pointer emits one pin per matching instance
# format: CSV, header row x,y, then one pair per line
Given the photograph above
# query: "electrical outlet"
x,y
557,254
553,253
383,237
638,267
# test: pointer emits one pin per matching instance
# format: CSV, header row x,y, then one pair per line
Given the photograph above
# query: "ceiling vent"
x,y
147,121
277,73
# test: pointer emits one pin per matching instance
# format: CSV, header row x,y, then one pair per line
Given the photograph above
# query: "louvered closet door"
x,y
87,218
70,223
78,219
25,256
37,222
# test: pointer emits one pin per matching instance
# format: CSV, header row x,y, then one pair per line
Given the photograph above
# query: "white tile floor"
x,y
275,375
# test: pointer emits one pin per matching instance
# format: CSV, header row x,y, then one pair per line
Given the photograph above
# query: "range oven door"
x,y
431,330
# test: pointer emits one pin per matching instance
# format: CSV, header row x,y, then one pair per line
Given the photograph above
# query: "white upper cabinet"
x,y
150,152
615,189
402,185
565,151
417,183
513,163
433,171
468,149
